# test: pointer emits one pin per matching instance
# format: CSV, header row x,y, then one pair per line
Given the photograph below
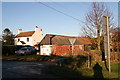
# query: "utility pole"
x,y
106,39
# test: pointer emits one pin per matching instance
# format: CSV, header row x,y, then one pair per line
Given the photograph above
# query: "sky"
x,y
27,15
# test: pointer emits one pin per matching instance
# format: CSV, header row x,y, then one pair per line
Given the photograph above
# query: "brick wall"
x,y
66,50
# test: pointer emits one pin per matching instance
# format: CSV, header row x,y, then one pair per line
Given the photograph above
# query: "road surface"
x,y
24,69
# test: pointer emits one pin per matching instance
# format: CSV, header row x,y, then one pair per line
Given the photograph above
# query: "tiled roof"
x,y
63,40
25,34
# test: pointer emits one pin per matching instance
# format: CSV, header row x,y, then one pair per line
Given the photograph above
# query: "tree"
x,y
94,22
115,38
7,37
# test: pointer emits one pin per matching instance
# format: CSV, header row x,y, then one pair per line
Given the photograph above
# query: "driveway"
x,y
24,69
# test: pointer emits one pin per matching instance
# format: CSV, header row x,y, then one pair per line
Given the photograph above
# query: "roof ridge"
x,y
28,31
63,35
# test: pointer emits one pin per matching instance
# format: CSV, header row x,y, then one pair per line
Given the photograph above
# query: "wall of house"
x,y
15,41
46,50
37,37
23,39
66,50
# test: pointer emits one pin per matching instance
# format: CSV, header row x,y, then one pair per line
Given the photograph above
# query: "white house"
x,y
29,38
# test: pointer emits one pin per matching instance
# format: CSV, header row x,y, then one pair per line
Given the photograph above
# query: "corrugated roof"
x,y
25,34
63,40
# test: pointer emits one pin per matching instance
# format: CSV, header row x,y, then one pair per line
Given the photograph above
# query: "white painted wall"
x,y
46,49
33,40
15,41
37,37
23,39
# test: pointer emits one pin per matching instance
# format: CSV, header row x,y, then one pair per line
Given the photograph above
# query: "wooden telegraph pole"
x,y
106,39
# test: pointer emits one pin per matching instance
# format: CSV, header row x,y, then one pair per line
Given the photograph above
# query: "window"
x,y
18,40
27,39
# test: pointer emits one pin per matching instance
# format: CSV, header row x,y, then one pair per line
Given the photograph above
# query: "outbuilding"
x,y
62,45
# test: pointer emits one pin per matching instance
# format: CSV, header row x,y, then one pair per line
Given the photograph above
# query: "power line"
x,y
60,6
63,7
60,11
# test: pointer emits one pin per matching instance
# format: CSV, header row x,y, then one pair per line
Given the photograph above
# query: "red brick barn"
x,y
60,45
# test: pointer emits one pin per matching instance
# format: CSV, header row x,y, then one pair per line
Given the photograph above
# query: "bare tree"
x,y
94,22
115,39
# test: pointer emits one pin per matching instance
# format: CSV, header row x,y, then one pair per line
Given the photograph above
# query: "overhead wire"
x,y
60,11
59,5
63,7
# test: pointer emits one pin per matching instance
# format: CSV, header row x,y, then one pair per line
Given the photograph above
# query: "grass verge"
x,y
86,73
67,69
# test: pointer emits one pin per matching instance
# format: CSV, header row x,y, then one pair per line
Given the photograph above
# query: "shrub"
x,y
10,49
72,62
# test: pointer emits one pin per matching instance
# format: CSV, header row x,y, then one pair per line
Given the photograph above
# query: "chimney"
x,y
19,31
37,28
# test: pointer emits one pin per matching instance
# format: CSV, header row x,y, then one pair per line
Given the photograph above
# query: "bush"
x,y
72,62
10,49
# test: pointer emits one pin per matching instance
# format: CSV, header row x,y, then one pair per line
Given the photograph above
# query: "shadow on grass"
x,y
67,68
98,71
65,73
73,68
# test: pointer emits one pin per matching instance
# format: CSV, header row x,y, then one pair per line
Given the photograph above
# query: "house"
x,y
61,45
30,38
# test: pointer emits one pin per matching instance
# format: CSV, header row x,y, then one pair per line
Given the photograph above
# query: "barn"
x,y
63,45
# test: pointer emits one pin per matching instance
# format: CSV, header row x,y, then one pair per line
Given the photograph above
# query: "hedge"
x,y
10,49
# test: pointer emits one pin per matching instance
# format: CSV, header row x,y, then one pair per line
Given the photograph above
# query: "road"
x,y
24,69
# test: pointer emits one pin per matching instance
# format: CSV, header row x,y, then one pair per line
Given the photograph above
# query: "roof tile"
x,y
25,34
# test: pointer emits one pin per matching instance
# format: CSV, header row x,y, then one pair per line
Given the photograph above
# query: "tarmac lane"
x,y
24,69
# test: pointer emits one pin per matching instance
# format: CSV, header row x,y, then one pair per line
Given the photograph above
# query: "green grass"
x,y
85,72
113,74
66,71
